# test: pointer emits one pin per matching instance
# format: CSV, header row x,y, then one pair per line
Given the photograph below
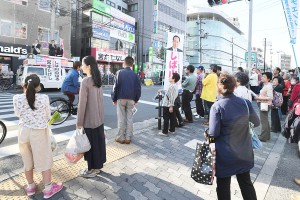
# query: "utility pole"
x,y
250,36
53,8
232,56
265,49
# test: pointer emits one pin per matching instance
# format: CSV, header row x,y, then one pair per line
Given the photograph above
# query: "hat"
x,y
201,67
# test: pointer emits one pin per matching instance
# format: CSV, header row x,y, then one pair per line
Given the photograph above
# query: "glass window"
x,y
43,34
21,30
124,10
119,8
36,70
45,5
6,28
133,7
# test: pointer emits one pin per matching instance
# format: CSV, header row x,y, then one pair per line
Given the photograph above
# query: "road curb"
x,y
264,178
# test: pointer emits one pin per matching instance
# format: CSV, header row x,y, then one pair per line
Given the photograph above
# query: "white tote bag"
x,y
264,106
78,143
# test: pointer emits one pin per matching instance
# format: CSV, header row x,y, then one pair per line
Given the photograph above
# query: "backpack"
x,y
277,99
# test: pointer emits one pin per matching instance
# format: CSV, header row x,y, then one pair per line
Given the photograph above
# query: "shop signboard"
x,y
123,26
122,35
13,49
100,33
151,54
155,16
101,8
107,55
174,57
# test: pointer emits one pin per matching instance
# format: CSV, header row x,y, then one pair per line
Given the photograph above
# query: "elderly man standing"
x,y
188,87
199,86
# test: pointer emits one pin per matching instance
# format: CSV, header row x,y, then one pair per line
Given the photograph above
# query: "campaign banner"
x,y
107,55
291,14
57,69
174,58
49,69
122,35
100,33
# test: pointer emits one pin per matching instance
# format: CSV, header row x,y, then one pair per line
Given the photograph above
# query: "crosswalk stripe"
x,y
6,102
7,116
6,110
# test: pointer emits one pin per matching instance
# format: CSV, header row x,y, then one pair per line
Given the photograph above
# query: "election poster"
x,y
174,58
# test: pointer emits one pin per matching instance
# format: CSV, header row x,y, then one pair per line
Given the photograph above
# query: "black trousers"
x,y
208,105
275,121
96,156
187,97
199,105
168,118
265,126
246,186
284,106
178,118
255,89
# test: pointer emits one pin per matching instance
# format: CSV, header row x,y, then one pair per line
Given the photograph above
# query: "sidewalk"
x,y
153,167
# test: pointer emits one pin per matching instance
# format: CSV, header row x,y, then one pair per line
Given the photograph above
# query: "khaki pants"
x,y
35,148
125,118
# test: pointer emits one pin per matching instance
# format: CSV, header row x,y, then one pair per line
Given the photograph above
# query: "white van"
x,y
51,70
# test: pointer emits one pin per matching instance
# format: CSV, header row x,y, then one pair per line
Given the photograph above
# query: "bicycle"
x,y
6,83
64,107
3,131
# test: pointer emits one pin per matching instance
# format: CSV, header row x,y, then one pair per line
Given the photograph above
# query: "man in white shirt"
x,y
254,81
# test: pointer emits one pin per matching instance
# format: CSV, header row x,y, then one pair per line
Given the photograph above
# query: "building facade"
x,y
104,30
285,61
22,22
153,20
212,38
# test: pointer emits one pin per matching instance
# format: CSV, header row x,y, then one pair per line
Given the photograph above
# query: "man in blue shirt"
x,y
125,94
70,86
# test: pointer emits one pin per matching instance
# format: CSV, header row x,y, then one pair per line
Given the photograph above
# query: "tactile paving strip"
x,y
12,188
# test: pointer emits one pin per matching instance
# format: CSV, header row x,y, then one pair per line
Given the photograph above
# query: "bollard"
x,y
159,111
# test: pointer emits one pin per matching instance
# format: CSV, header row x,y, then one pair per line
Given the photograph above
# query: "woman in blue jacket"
x,y
229,126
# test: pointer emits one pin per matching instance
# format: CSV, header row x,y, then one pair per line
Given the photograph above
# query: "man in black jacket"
x,y
126,94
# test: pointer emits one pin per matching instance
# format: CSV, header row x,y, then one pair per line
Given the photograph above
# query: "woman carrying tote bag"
x,y
90,116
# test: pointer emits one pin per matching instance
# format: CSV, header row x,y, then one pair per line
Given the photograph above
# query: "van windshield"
x,y
36,70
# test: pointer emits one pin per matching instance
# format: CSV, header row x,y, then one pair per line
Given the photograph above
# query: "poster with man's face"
x,y
174,58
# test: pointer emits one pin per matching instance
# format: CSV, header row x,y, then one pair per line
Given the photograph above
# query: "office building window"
x,y
45,5
119,8
170,11
133,7
124,10
112,4
6,28
21,30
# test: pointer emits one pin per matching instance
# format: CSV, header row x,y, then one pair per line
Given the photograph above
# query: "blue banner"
x,y
291,14
101,33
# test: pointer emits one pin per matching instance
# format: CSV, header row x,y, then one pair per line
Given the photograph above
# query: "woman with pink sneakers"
x,y
34,140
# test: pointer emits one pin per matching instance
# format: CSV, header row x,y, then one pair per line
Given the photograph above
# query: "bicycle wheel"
x,y
61,106
3,131
5,84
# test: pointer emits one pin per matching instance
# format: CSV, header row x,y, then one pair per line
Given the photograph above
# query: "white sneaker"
x,y
172,132
196,116
163,134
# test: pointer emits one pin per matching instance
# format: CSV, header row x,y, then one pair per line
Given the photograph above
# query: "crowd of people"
x,y
223,97
227,101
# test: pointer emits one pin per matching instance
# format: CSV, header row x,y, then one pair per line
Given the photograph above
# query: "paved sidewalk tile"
x,y
151,168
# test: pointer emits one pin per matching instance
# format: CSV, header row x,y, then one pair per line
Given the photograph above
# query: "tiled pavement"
x,y
161,169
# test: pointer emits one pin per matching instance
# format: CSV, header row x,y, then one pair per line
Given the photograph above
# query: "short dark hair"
x,y
175,37
240,69
176,77
268,75
77,64
242,78
278,69
219,68
129,61
229,83
191,68
214,68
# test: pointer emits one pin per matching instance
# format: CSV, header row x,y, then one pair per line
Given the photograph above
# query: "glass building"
x,y
212,38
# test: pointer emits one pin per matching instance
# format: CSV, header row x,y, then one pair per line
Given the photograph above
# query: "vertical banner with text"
x,y
174,58
49,64
291,14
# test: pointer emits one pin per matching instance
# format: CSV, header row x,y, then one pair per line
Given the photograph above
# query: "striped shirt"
x,y
170,96
199,84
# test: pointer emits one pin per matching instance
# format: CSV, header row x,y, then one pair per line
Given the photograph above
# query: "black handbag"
x,y
203,170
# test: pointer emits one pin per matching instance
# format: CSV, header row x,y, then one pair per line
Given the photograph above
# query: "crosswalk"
x,y
9,146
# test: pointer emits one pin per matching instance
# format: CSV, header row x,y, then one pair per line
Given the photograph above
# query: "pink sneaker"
x,y
56,187
30,191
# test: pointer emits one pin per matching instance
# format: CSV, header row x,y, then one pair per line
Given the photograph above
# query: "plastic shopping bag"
x,y
78,143
52,138
73,158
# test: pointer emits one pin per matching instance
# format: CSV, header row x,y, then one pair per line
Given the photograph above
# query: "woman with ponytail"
x,y
90,116
34,141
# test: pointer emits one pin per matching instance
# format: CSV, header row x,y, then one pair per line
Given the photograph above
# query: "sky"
x,y
268,22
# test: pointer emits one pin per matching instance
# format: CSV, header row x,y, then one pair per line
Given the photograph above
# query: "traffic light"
x,y
216,2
